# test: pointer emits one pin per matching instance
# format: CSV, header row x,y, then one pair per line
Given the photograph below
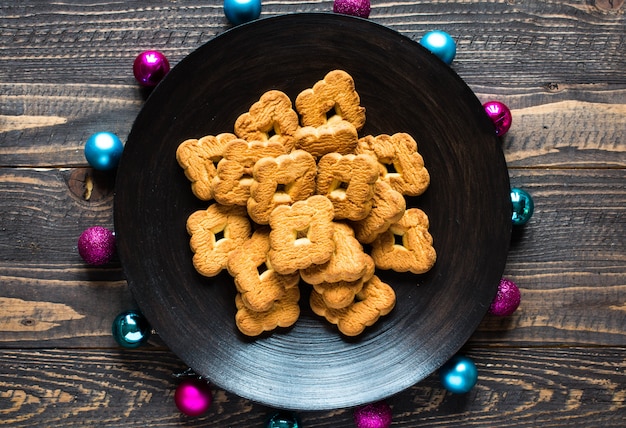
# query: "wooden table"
x,y
560,360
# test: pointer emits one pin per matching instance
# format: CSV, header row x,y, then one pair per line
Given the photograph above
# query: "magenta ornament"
x,y
193,396
500,115
150,67
96,245
375,415
507,299
360,8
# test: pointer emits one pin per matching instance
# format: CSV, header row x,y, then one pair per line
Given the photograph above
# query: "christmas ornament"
x,y
441,44
360,8
283,420
103,150
500,115
507,299
150,67
458,375
523,206
96,245
130,329
193,396
376,415
240,11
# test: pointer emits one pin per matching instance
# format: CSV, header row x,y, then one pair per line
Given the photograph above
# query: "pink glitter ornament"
x,y
193,396
150,67
375,415
360,8
96,245
507,299
500,115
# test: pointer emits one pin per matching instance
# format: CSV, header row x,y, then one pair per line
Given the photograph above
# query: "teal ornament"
x,y
103,150
441,44
240,11
130,329
523,206
459,375
283,419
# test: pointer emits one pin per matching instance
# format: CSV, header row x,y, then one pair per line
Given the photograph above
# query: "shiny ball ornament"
x,y
523,207
103,150
130,329
360,8
459,375
375,415
240,11
150,67
507,299
283,419
441,44
500,115
96,245
193,396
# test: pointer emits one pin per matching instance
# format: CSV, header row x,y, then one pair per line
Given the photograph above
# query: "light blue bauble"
x,y
459,375
240,11
103,150
441,44
523,206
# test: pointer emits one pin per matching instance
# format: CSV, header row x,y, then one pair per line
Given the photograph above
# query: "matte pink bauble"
x,y
375,415
360,8
150,67
96,245
507,299
500,115
193,397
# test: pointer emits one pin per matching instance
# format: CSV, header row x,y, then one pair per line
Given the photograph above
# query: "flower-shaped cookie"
x,y
284,313
388,207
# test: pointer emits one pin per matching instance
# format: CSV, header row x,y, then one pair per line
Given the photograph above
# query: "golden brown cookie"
x,y
280,181
272,118
199,160
416,253
400,163
257,282
302,234
335,94
231,185
376,299
337,135
348,181
284,313
388,207
215,232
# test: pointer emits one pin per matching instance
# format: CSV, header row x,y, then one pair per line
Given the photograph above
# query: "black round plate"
x,y
404,88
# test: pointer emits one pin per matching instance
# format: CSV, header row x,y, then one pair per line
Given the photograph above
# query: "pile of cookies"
x,y
297,197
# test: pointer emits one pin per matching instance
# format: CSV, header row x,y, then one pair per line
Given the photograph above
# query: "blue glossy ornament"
x,y
523,206
240,11
441,44
283,419
130,329
459,375
103,150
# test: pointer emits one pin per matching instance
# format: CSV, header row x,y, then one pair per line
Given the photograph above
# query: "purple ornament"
x,y
96,245
500,115
360,8
193,397
375,415
150,67
507,299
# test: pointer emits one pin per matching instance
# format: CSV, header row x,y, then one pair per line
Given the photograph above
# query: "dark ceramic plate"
x,y
404,88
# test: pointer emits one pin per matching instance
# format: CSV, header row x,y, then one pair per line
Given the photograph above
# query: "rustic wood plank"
x,y
568,260
516,388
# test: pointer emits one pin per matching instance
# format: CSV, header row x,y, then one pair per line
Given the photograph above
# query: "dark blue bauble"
x,y
523,206
130,329
103,150
240,11
459,375
441,44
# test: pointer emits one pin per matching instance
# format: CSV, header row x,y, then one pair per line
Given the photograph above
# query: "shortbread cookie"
x,y
388,207
337,135
284,313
